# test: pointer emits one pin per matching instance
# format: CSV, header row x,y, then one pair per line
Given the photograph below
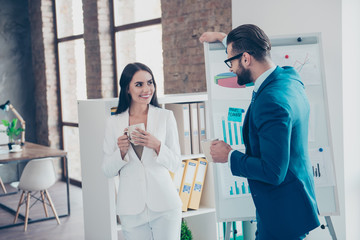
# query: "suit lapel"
x,y
272,76
150,125
246,130
124,123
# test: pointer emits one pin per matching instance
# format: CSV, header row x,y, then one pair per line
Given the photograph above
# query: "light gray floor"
x,y
71,227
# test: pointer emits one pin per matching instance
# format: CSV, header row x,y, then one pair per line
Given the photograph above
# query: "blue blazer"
x,y
276,162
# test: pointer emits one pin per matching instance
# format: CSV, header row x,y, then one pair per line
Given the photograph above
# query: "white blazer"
x,y
146,181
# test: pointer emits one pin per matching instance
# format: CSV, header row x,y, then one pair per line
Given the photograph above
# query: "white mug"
x,y
131,130
206,144
16,147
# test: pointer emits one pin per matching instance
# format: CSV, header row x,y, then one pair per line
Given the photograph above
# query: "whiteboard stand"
x,y
330,227
228,230
304,53
248,230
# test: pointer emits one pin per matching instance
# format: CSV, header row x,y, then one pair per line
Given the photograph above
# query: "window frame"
x,y
113,30
125,27
62,123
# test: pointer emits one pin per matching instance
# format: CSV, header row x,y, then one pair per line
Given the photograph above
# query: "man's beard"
x,y
244,77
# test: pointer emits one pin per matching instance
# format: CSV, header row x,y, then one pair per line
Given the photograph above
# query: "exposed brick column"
x,y
44,67
183,21
98,49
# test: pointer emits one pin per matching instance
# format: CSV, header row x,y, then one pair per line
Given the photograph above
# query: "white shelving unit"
x,y
183,98
99,191
202,222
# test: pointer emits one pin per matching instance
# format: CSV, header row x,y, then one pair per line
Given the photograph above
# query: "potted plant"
x,y
185,232
12,131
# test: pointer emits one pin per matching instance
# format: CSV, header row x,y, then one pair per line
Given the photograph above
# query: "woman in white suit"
x,y
148,203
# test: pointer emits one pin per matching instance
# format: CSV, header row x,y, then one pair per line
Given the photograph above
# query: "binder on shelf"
x,y
182,116
195,145
187,182
202,123
198,185
178,175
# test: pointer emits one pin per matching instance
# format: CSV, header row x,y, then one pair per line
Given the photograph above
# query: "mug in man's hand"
x,y
206,144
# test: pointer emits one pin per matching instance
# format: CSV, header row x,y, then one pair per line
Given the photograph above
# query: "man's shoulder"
x,y
288,73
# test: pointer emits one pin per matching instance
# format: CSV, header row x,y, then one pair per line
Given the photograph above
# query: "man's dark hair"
x,y
251,39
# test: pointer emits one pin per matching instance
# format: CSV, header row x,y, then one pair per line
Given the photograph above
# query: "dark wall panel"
x,y
16,74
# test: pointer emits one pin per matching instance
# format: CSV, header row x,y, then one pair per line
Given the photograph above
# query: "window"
x,y
72,78
138,36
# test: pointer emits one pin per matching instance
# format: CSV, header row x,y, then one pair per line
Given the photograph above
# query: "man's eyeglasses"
x,y
229,60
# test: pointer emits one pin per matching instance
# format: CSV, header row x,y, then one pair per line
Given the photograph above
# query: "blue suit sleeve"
x,y
270,145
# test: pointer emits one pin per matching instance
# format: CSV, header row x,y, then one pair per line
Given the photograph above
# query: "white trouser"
x,y
150,225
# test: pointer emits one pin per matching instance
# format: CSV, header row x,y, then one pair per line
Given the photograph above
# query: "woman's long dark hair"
x,y
125,79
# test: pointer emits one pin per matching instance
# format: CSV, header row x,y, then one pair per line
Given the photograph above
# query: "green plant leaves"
x,y
5,122
185,232
11,129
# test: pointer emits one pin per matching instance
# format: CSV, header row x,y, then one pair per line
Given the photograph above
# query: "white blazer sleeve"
x,y
112,161
169,155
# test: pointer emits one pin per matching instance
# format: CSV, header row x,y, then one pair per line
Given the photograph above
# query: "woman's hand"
x,y
144,138
123,144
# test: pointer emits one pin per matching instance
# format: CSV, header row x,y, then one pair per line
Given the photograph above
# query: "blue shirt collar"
x,y
262,78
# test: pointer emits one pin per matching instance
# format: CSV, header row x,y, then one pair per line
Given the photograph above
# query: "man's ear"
x,y
247,58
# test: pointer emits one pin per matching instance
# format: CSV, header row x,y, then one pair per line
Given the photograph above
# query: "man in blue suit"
x,y
276,161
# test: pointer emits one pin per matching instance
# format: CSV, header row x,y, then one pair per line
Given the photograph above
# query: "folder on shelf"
x,y
177,176
198,185
182,116
113,110
201,123
187,182
195,145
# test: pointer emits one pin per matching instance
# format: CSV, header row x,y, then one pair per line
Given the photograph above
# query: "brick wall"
x,y
98,49
183,22
44,67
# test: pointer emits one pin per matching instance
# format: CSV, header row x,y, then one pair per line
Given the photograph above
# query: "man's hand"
x,y
212,37
219,151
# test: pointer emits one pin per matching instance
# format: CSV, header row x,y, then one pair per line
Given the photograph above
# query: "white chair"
x,y
38,175
2,184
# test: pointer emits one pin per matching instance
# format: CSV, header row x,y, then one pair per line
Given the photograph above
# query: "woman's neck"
x,y
138,109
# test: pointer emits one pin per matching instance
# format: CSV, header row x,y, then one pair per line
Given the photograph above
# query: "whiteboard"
x,y
232,194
